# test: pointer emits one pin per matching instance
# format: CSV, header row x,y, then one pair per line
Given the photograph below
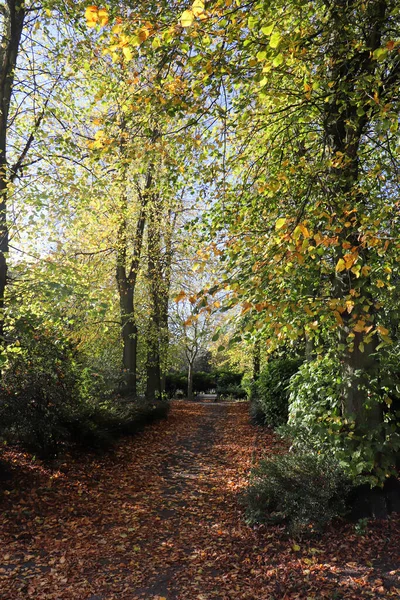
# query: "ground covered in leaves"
x,y
161,519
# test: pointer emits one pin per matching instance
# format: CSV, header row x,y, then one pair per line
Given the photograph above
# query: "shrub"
x,y
45,403
202,382
231,391
174,382
225,379
316,422
271,393
300,489
39,389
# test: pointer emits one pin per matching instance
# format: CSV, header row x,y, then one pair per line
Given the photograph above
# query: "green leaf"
x,y
252,22
275,39
278,60
267,30
380,54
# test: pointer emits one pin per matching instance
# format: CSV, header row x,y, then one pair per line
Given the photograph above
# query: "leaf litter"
x,y
161,519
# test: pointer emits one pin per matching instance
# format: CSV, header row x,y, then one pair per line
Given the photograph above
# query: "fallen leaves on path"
x,y
161,519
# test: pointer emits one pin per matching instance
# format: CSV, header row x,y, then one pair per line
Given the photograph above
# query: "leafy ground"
x,y
160,518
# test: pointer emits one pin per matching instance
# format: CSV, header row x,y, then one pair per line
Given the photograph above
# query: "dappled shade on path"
x,y
161,518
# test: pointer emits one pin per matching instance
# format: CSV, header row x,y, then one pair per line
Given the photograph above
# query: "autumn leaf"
x,y
95,15
143,34
382,330
198,7
92,16
340,266
187,18
127,53
103,16
180,296
280,223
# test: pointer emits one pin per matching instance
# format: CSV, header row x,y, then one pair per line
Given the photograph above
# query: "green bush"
x,y
271,391
39,389
202,382
44,405
231,391
225,379
174,382
316,422
300,489
99,426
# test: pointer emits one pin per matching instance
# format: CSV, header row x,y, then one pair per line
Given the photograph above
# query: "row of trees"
x,y
97,184
281,119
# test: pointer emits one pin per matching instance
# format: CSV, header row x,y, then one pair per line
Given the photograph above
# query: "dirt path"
x,y
160,518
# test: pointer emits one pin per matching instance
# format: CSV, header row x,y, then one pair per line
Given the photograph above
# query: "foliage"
x,y
47,400
174,382
39,388
271,390
316,420
301,489
225,383
203,382
234,392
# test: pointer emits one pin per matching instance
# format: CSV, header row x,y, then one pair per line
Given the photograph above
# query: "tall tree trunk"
x,y
256,360
344,126
190,381
154,273
13,17
127,282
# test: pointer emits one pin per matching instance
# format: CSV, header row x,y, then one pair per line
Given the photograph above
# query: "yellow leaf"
x,y
187,18
143,34
127,53
280,223
341,265
198,7
365,271
359,326
356,270
382,330
103,16
92,16
380,283
350,259
180,296
296,547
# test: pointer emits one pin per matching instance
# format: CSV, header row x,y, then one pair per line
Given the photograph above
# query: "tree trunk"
x,y
190,381
13,22
344,127
155,280
256,360
129,334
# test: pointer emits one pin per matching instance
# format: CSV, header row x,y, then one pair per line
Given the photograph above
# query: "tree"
x,y
193,332
307,214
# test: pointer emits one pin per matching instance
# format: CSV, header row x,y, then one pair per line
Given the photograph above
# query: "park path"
x,y
161,519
